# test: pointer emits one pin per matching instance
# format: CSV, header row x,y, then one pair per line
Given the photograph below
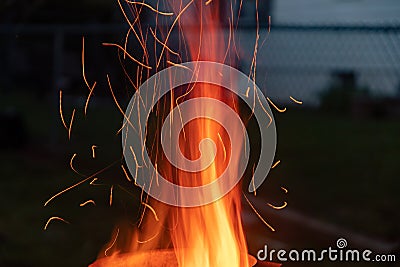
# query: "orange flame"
x,y
206,236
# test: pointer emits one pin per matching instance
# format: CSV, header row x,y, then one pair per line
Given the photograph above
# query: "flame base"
x,y
152,258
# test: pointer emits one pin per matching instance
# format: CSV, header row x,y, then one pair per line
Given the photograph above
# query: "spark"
x,y
253,182
126,40
148,240
65,190
179,110
112,243
170,30
120,129
70,124
262,106
247,92
223,146
83,66
141,199
137,19
254,186
229,39
238,13
151,8
142,215
156,173
91,88
61,112
116,102
62,118
111,195
278,109
126,74
134,157
72,165
284,189
163,44
54,218
131,25
182,96
126,53
178,65
94,180
152,210
155,34
278,207
126,173
253,66
296,101
275,164
78,183
208,2
90,201
89,96
269,31
142,138
235,28
94,151
258,214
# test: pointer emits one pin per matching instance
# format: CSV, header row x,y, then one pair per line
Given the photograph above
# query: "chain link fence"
x,y
303,61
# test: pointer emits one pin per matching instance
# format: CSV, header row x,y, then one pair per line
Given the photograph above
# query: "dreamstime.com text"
x,y
338,254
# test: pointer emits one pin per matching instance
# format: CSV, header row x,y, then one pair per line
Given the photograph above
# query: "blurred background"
x,y
338,150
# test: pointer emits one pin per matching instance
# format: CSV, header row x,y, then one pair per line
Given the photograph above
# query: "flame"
x,y
206,236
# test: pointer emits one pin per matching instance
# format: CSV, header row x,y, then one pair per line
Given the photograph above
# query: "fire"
x,y
202,236
211,148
